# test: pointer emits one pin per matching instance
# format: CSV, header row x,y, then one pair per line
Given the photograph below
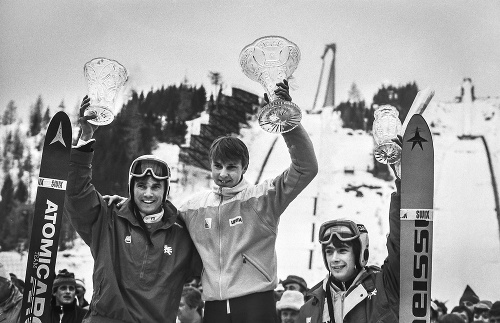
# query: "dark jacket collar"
x,y
170,214
318,290
64,308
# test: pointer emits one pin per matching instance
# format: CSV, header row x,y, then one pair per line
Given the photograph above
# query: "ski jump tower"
x,y
330,87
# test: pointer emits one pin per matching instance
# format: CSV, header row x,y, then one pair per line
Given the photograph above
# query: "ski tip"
x,y
59,130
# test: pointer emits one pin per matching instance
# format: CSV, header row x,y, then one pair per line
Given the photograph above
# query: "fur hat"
x,y
291,299
294,279
64,277
483,305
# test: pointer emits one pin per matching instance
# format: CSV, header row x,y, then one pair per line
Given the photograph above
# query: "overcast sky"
x,y
44,44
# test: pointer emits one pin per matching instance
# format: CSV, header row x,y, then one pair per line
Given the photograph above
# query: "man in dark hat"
x,y
495,313
64,307
293,282
481,310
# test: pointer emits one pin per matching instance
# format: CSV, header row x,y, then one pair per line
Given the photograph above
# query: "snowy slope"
x,y
467,244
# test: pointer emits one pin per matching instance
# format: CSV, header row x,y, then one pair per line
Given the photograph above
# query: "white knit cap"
x,y
291,299
80,282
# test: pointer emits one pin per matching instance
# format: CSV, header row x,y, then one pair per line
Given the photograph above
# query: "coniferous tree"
x,y
61,106
17,145
198,102
45,119
354,94
10,113
36,117
21,193
28,167
7,194
216,80
7,147
400,97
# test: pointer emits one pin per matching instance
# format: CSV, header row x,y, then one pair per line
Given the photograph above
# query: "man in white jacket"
x,y
234,226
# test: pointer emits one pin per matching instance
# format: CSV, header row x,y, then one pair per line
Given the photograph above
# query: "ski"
x,y
417,193
47,219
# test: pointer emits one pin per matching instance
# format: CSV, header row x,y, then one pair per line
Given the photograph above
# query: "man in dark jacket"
x,y
10,298
63,303
142,252
353,291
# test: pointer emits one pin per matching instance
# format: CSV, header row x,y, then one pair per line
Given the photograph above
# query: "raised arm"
x,y
83,203
283,189
392,263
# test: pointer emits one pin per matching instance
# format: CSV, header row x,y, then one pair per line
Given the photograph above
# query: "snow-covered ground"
x,y
466,232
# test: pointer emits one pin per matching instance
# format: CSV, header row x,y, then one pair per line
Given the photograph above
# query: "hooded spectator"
x,y
10,298
80,294
469,298
18,282
289,305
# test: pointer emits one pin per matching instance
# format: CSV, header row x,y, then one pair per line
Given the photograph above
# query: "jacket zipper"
x,y
220,245
144,261
246,258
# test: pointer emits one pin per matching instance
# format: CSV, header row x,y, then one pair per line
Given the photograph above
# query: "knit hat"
x,y
294,279
291,299
80,282
495,309
469,296
3,272
64,277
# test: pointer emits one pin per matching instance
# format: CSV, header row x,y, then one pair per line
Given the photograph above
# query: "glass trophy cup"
x,y
270,60
105,78
386,127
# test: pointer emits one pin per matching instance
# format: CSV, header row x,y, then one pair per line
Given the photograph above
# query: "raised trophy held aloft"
x,y
270,60
105,77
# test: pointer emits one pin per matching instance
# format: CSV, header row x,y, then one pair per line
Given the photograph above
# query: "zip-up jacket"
x,y
374,294
138,277
234,229
70,313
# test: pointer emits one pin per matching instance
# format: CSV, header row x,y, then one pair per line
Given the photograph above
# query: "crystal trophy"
x,y
386,127
105,78
270,60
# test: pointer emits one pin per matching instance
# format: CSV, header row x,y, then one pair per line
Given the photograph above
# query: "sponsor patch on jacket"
x,y
208,223
235,221
128,239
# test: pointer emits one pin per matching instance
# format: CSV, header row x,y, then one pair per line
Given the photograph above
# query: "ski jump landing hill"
x,y
466,221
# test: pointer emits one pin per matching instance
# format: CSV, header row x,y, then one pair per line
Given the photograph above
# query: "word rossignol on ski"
x,y
47,219
417,200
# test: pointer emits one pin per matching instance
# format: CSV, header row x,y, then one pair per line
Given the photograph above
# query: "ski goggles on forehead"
x,y
343,230
154,167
